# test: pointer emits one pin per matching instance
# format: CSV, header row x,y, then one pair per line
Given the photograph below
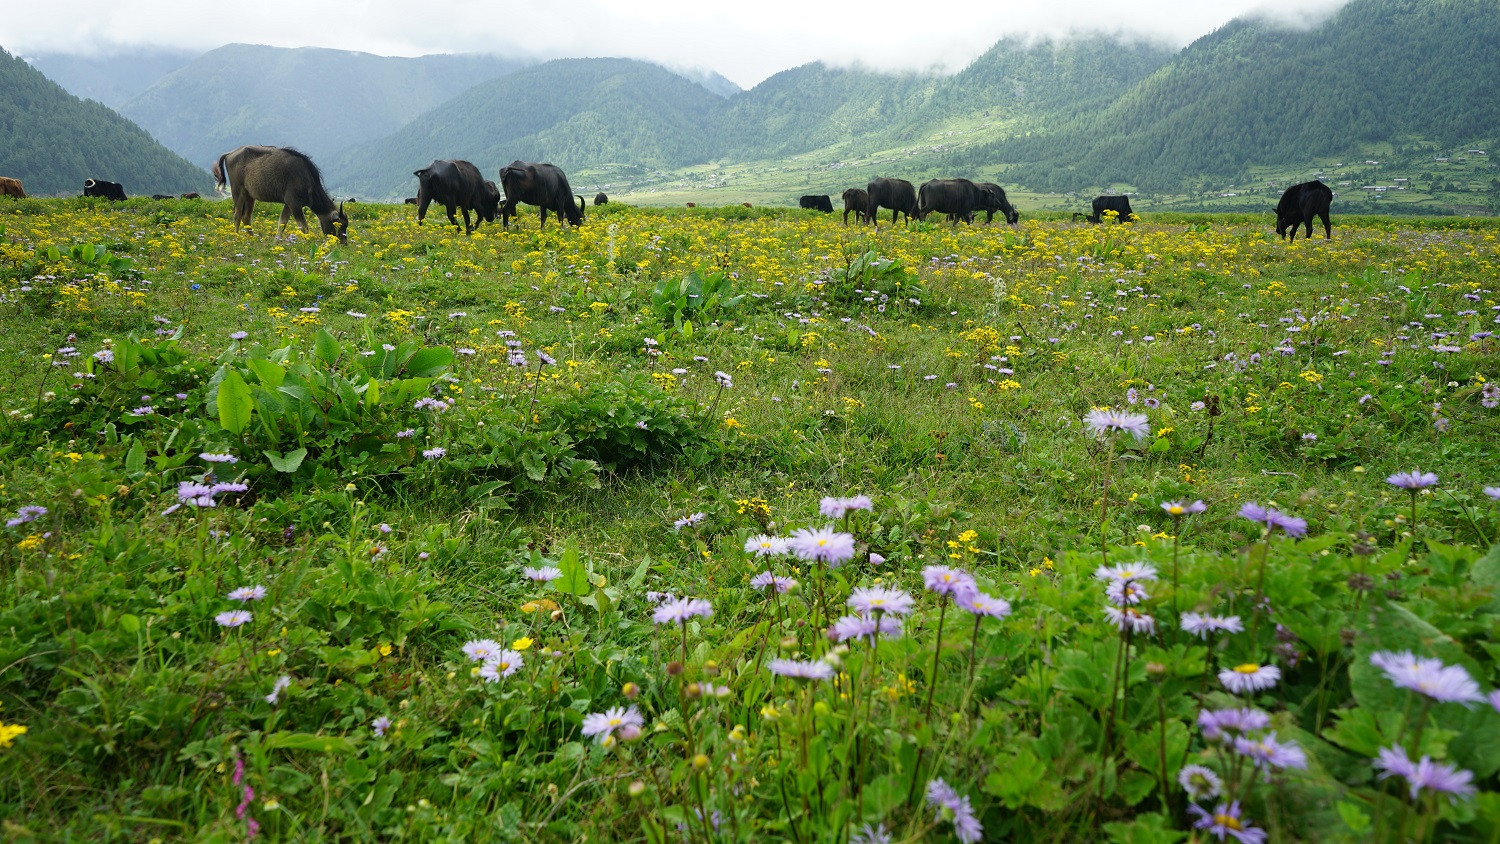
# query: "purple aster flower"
x,y
1218,723
801,669
1249,677
233,618
245,594
29,513
144,410
1129,618
1199,782
502,664
228,486
723,379
604,724
482,650
871,835
1424,774
1107,422
766,580
1413,481
1494,699
980,604
1126,571
1125,593
864,627
878,599
214,457
1442,683
837,508
434,453
277,688
1225,821
682,609
545,574
1203,626
1268,753
380,725
762,545
1182,508
1273,518
1493,492
822,545
948,582
238,335
546,359
954,807
688,520
408,432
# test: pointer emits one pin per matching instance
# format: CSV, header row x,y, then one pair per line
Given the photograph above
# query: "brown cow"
x,y
692,205
11,187
746,204
278,174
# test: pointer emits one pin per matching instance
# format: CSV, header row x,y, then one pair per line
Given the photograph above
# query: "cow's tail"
x,y
581,205
221,175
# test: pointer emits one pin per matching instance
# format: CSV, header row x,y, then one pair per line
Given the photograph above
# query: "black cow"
x,y
600,199
816,203
112,191
542,185
410,200
955,197
895,194
858,201
162,196
1299,205
456,184
1118,204
994,200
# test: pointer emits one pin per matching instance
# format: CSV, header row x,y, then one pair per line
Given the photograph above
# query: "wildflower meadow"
x,y
740,525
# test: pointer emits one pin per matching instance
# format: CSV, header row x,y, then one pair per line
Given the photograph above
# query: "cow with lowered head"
x,y
542,185
816,203
992,200
1299,205
11,187
112,191
895,194
955,197
278,174
456,184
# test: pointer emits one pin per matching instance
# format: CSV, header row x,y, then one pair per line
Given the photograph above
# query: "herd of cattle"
x,y
286,176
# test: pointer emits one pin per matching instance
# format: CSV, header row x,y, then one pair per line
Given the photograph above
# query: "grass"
x,y
943,372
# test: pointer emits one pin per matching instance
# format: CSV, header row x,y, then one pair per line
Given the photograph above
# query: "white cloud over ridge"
x,y
744,42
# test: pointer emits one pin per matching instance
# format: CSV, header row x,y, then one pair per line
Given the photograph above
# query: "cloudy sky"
x,y
745,41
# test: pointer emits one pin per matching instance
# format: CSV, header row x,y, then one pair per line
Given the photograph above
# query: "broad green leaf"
x,y
287,463
309,741
430,362
135,459
326,347
575,575
235,403
270,374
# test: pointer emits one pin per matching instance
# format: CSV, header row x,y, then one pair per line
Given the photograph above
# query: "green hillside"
x,y
111,79
52,141
572,112
320,101
1255,95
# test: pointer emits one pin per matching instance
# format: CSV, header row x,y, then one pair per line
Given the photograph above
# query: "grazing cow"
x,y
692,205
542,185
1118,204
162,196
456,184
858,201
744,204
11,187
410,200
994,200
958,198
1299,205
278,174
190,196
895,194
112,191
600,199
817,203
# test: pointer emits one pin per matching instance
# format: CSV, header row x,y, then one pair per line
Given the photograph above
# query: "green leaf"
x,y
575,575
1150,828
1486,575
135,459
429,363
639,576
287,463
130,623
309,741
235,403
1354,817
326,347
270,374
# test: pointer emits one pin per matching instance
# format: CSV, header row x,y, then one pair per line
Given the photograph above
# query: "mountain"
x,y
575,113
709,79
110,79
1254,94
320,101
52,141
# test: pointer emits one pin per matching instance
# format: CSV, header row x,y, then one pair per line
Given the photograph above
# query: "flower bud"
x,y
693,691
674,668
700,762
637,788
631,691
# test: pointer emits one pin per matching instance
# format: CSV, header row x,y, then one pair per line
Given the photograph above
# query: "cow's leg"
x,y
423,200
286,213
1308,224
468,229
1327,226
452,219
543,210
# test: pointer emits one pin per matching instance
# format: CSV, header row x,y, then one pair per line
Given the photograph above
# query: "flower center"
x,y
1176,509
1228,822
1247,668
